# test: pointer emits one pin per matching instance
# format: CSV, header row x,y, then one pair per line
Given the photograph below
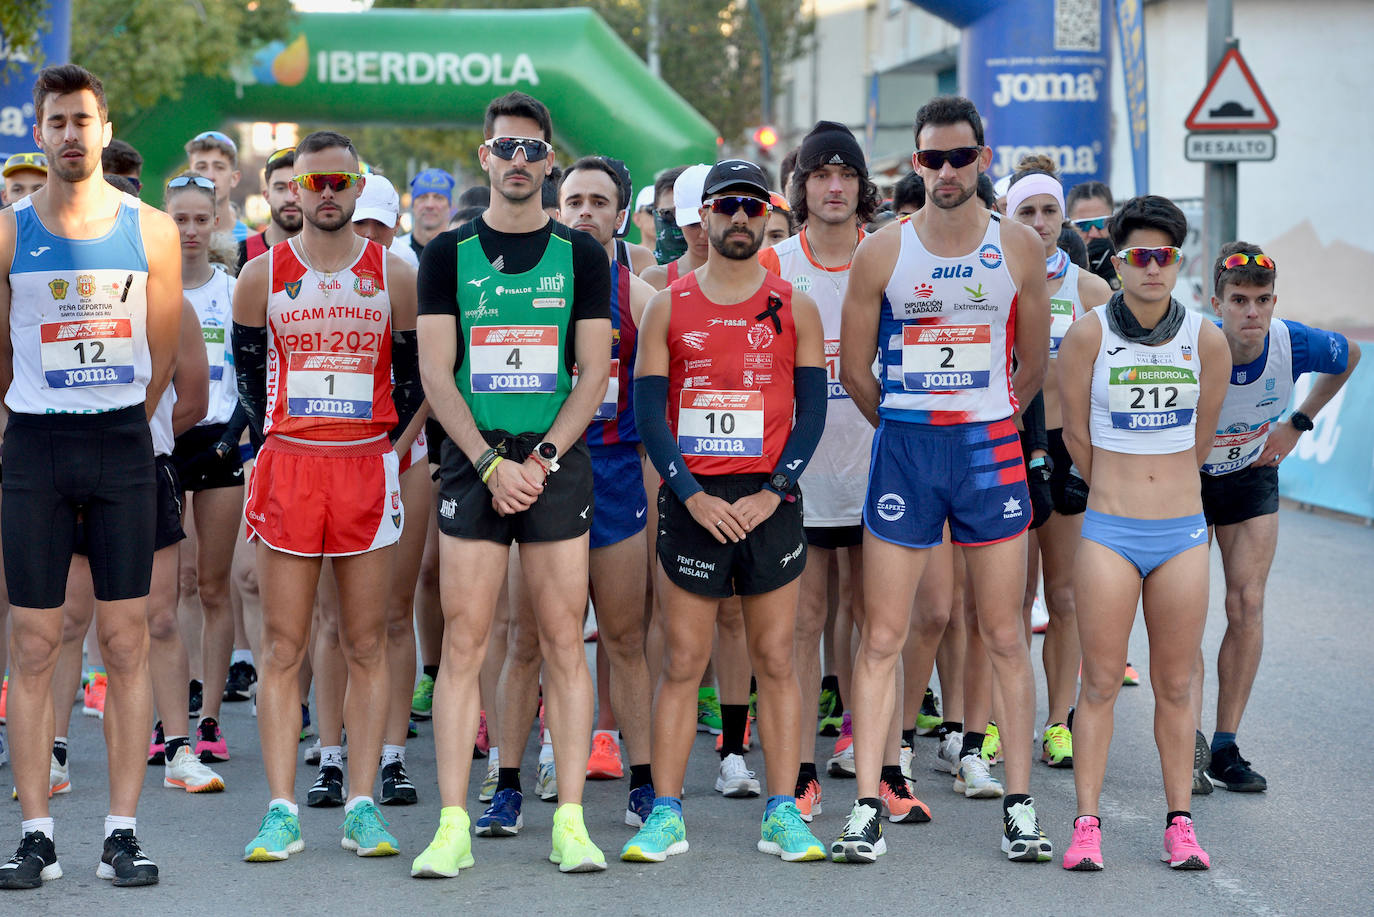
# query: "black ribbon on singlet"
x,y
771,311
1123,322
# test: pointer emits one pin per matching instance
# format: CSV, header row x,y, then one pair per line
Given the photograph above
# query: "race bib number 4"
x,y
514,359
214,349
330,385
97,351
720,423
1151,397
946,358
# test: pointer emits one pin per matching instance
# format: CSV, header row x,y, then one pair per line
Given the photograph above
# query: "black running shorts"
x,y
562,512
1232,498
831,537
198,467
59,467
768,558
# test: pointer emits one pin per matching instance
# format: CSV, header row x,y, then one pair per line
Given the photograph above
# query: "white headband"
x,y
1030,186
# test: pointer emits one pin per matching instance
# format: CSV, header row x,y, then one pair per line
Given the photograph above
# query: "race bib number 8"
x,y
1151,397
214,349
96,351
946,358
720,423
1234,450
515,359
330,385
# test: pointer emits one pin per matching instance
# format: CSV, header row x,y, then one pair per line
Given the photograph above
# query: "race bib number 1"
x,y
834,387
720,423
330,385
1151,397
96,351
946,358
519,359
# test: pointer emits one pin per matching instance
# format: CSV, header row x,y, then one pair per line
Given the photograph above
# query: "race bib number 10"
x,y
517,359
330,385
720,423
96,351
946,358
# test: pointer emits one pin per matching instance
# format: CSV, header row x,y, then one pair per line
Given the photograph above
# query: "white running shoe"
x,y
905,761
842,765
547,784
973,779
1040,615
488,790
736,780
947,755
186,772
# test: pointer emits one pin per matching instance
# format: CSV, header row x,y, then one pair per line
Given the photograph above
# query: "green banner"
x,y
440,68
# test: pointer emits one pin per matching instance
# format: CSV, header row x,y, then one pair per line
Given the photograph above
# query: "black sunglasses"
x,y
729,206
957,157
668,215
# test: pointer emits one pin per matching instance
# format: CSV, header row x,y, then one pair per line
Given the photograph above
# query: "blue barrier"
x,y
1333,466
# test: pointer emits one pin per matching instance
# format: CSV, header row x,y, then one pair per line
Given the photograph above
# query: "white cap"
x,y
378,201
687,194
645,198
1001,186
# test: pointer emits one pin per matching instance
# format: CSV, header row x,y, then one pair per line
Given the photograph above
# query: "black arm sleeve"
x,y
250,368
1033,422
407,393
651,418
809,386
238,421
592,291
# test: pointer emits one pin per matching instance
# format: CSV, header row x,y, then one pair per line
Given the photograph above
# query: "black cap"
x,y
736,175
830,142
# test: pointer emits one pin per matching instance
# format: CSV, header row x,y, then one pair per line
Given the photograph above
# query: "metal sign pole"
x,y
1219,178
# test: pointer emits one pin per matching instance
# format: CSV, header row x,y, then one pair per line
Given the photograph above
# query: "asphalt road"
x,y
1297,849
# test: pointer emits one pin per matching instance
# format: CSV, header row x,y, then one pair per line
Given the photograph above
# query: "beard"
x,y
332,221
291,222
951,203
731,246
72,171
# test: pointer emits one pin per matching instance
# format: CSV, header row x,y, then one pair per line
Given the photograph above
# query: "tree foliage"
x,y
708,49
20,21
144,50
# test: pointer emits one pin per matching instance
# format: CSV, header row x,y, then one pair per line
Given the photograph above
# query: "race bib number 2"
x,y
98,351
518,359
720,423
946,358
330,385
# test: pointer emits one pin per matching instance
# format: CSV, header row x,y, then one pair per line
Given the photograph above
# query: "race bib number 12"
x,y
93,351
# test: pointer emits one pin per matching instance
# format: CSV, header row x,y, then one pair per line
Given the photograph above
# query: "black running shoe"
x,y
1202,759
1022,839
1228,769
861,841
239,685
123,861
397,790
327,791
196,697
32,864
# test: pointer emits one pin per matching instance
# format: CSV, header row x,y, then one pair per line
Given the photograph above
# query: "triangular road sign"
x,y
1232,100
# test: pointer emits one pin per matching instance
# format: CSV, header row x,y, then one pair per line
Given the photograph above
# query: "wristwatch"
x,y
547,454
781,484
1300,421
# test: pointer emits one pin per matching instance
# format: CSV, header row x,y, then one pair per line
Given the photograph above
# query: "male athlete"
x,y
283,202
945,299
512,302
320,324
91,311
729,354
1240,481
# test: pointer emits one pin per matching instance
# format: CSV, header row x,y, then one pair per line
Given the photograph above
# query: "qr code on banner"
x,y
1078,25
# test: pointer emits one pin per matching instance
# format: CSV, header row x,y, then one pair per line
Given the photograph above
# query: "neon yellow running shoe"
x,y
1056,746
573,850
992,746
451,849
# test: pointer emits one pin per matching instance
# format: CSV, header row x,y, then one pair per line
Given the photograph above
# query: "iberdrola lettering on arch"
x,y
439,68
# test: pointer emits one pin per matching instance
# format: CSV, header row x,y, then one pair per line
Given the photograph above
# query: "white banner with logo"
x,y
1333,466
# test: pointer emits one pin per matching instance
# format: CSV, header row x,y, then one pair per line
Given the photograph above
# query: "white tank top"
x,y
1144,399
1252,406
1065,309
214,305
837,477
946,332
78,317
161,422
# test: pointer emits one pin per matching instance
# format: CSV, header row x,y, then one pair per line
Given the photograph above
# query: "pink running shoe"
x,y
483,742
210,744
1181,849
1085,850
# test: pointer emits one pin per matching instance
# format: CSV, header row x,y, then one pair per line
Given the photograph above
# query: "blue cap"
x,y
433,181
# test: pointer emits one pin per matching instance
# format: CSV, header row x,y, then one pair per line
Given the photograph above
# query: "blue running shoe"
x,y
641,804
663,835
278,837
365,832
785,835
502,818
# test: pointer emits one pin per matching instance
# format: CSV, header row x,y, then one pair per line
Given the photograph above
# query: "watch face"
x,y
548,450
780,482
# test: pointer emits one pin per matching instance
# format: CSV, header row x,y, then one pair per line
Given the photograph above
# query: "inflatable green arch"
x,y
441,68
